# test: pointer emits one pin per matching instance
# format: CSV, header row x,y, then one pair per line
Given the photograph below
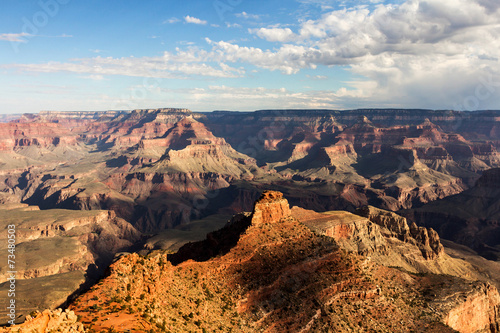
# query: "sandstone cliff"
x,y
475,309
269,208
426,239
58,251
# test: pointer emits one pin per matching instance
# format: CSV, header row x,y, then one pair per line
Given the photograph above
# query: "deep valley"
x,y
350,215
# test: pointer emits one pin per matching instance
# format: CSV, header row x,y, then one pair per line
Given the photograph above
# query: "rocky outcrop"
x,y
389,220
473,310
270,208
49,321
359,235
426,239
352,232
21,135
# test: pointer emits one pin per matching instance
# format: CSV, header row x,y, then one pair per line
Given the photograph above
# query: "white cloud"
x,y
194,20
171,20
217,97
233,25
94,77
317,77
247,16
287,59
275,34
15,37
421,52
180,65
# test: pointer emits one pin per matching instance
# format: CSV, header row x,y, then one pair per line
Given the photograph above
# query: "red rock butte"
x,y
270,208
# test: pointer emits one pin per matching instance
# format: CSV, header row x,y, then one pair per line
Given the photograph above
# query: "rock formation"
x,y
49,321
18,135
159,169
389,220
271,207
426,239
479,312
469,218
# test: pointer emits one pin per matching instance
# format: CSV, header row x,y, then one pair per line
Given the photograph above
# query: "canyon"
x,y
413,189
161,168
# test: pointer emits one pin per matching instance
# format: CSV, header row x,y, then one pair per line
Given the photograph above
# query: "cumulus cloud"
x,y
414,27
288,59
275,34
421,52
194,20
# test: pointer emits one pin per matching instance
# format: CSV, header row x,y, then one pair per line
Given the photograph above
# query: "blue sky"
x,y
247,55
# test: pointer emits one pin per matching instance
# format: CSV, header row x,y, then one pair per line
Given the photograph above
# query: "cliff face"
x,y
56,248
426,239
19,135
271,207
473,311
469,218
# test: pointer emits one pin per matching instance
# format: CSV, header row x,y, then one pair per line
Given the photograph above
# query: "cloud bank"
x,y
420,53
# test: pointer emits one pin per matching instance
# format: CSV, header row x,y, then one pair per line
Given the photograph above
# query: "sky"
x,y
246,55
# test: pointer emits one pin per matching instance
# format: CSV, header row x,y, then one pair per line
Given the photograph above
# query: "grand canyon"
x,y
168,220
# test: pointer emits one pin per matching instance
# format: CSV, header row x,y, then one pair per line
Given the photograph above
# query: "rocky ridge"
x,y
426,239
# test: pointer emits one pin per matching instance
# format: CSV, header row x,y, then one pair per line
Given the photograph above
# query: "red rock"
x,y
270,208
